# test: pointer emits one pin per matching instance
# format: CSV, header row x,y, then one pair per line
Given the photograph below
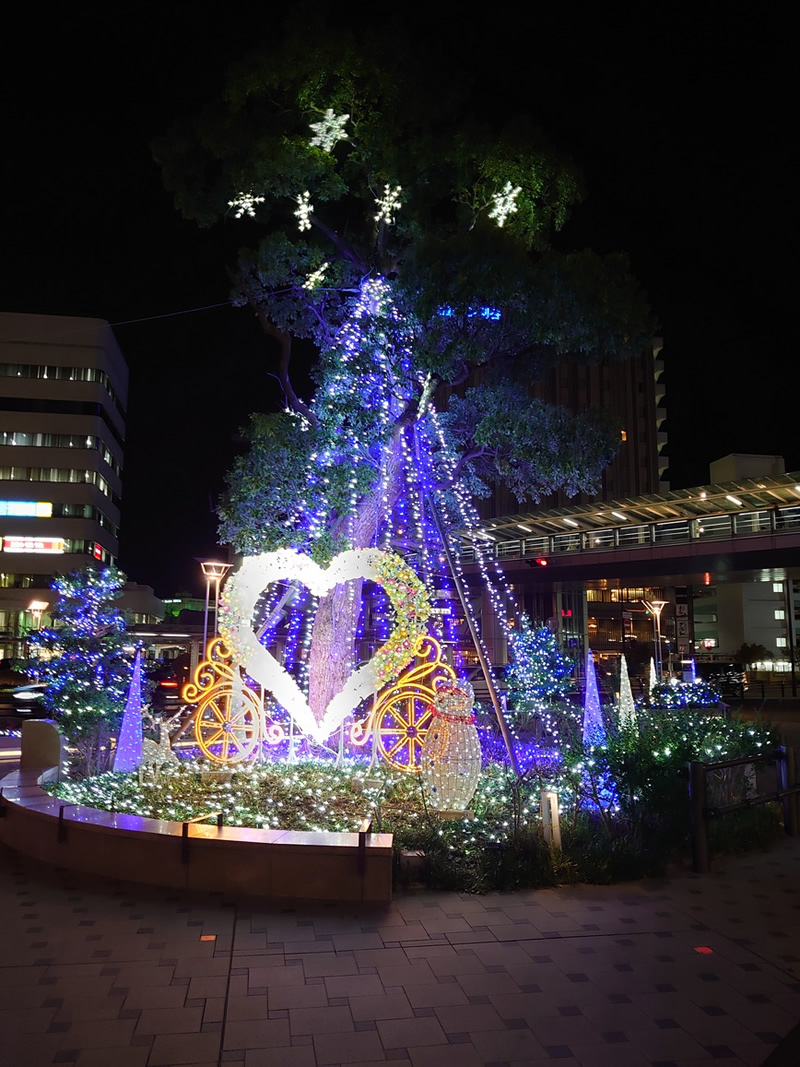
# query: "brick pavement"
x,y
664,973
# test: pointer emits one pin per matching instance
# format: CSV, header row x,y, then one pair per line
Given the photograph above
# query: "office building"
x,y
63,395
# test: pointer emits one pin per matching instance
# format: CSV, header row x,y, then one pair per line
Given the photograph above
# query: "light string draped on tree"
x,y
493,580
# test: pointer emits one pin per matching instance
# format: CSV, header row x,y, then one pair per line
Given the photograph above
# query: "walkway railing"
x,y
645,536
787,792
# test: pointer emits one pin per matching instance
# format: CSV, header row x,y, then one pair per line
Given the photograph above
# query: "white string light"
x,y
505,203
303,211
388,204
245,204
316,277
329,130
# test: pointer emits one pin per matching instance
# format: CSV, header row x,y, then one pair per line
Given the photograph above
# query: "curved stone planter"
x,y
267,863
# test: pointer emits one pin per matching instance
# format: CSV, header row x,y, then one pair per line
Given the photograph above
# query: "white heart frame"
x,y
245,587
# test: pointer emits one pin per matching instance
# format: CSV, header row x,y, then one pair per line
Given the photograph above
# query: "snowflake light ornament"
x,y
329,130
505,203
304,209
244,204
316,277
388,204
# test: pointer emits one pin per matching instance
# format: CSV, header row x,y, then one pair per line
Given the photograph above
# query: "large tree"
x,y
405,230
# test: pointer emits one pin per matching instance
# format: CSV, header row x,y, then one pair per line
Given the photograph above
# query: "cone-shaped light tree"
x,y
406,230
594,731
128,753
82,662
539,671
627,707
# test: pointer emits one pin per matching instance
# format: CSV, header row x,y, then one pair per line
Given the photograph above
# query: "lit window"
x,y
780,614
777,587
780,642
624,435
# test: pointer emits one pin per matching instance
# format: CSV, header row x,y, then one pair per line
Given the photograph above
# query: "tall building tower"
x,y
63,395
632,391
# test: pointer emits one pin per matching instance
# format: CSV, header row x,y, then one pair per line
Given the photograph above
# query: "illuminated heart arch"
x,y
244,589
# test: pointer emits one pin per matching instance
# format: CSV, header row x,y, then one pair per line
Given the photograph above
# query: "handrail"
x,y
735,526
787,792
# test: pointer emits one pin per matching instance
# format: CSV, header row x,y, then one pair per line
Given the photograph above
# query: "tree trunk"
x,y
333,633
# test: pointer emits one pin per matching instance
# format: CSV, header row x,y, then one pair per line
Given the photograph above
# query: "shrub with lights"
x,y
82,662
498,844
675,694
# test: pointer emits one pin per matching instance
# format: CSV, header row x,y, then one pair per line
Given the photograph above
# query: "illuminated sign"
x,y
26,509
98,551
46,545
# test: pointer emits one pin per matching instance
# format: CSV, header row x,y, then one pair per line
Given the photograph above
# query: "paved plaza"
x,y
680,971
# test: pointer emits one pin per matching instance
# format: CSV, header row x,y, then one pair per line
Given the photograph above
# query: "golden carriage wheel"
x,y
227,725
403,717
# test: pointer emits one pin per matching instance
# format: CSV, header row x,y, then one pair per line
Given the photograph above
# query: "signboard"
x,y
26,509
39,545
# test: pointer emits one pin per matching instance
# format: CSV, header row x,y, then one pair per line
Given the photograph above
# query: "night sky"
x,y
681,130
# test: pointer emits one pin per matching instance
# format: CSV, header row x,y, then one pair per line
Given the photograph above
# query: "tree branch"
x,y
334,237
461,463
284,340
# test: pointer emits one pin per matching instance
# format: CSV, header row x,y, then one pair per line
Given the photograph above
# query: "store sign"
x,y
45,545
26,509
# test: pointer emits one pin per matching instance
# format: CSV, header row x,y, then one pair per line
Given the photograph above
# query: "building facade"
x,y
63,397
632,392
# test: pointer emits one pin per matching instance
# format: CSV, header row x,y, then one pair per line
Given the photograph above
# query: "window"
x,y
780,642
777,587
59,440
780,614
58,474
69,374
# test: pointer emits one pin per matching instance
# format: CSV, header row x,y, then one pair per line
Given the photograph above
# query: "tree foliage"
x,y
752,653
471,291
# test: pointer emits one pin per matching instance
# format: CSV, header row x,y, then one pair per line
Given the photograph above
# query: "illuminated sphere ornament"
x,y
451,755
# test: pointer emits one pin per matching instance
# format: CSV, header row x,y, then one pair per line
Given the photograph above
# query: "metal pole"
x,y
785,767
205,619
659,660
789,609
216,605
698,801
487,675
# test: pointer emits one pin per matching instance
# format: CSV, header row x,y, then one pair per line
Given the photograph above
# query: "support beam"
x,y
487,674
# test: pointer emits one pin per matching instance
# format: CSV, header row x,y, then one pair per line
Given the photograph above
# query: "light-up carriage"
x,y
230,723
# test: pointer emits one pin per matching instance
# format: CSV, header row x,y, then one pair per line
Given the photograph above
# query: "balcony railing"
x,y
742,524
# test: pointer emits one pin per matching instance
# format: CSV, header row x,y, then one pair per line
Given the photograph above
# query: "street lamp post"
x,y
37,609
655,607
213,572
